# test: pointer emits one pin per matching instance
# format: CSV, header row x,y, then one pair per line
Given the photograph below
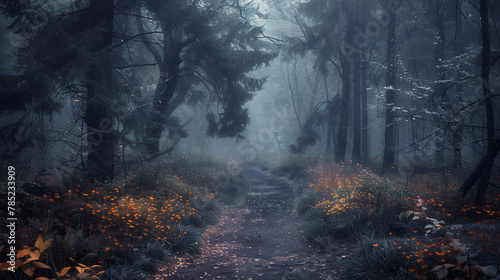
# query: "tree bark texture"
x,y
390,96
98,115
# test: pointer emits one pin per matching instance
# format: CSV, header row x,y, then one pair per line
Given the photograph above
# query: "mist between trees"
x,y
91,87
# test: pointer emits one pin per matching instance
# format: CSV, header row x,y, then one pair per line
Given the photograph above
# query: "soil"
x,y
259,238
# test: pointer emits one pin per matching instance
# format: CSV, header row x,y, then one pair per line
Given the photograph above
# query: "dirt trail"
x,y
260,238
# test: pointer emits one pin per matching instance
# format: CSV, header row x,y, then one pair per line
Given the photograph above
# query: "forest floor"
x,y
259,238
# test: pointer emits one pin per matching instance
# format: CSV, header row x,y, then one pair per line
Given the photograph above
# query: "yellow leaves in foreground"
x,y
28,260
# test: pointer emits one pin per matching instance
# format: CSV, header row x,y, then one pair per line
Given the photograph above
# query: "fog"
x,y
303,81
253,98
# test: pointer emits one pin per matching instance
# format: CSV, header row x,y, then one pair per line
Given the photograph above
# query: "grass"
x,y
73,245
145,260
375,259
399,227
351,224
122,272
131,226
185,238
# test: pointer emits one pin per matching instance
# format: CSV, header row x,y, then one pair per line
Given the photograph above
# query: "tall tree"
x,y
356,145
345,75
482,172
206,47
320,35
365,157
390,96
458,46
67,53
98,115
438,16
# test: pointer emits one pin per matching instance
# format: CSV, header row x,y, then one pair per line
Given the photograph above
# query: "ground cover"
x,y
125,229
399,225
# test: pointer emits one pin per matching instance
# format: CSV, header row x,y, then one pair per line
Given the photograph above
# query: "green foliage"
x,y
72,245
208,213
384,222
156,251
345,203
149,258
122,272
375,259
307,201
320,233
212,59
27,199
32,262
389,241
167,201
184,238
351,225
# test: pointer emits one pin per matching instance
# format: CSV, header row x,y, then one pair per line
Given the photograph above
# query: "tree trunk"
x,y
390,96
345,59
458,132
344,113
294,94
356,148
364,112
440,90
482,172
168,62
165,91
330,125
98,116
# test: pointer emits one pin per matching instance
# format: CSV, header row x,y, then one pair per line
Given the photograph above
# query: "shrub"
x,y
168,200
72,245
157,252
307,201
32,261
143,260
375,259
184,238
320,233
122,272
350,224
294,168
207,213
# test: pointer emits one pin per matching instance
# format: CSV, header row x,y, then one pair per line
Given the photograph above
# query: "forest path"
x,y
260,238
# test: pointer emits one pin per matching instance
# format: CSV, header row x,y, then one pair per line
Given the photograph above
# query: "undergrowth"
x,y
376,259
130,227
293,168
398,227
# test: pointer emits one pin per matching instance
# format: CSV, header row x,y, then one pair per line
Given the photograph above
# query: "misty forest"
x,y
249,139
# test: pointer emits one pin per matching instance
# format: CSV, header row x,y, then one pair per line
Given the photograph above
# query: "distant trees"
x,y
395,84
321,23
204,51
336,33
412,63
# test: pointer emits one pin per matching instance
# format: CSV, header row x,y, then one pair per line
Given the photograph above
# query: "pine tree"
x,y
57,50
207,48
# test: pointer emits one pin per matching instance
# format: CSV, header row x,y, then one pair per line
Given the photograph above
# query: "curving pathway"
x,y
260,238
